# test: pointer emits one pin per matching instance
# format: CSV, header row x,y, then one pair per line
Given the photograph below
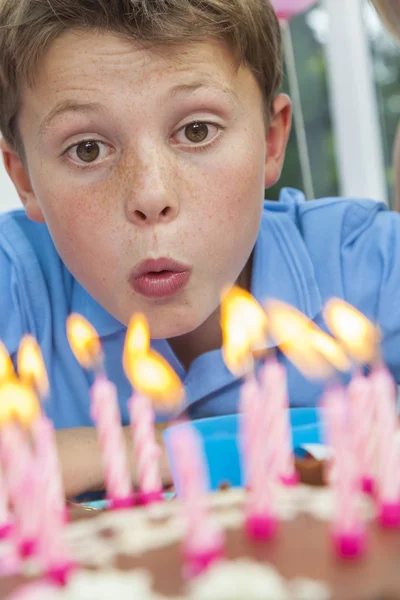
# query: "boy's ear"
x,y
19,175
277,138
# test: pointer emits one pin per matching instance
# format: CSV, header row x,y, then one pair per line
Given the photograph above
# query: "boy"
x,y
140,135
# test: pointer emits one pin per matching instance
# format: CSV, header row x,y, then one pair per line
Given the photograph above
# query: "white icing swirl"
x,y
87,585
307,589
237,580
244,579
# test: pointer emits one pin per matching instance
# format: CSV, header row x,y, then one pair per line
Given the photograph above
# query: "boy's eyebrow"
x,y
70,106
189,88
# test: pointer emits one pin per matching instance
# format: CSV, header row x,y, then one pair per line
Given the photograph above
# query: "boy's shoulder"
x,y
27,251
28,247
293,202
340,220
344,247
19,231
35,284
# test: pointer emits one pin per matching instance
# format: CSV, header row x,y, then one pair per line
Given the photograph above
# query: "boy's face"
x,y
138,154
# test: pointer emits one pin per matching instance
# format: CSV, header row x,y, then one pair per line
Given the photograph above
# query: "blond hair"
x,y
28,27
389,11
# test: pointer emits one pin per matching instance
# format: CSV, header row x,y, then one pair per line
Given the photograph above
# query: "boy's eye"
x,y
196,132
88,151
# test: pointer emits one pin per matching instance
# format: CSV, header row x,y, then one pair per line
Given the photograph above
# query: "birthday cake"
x,y
137,553
274,539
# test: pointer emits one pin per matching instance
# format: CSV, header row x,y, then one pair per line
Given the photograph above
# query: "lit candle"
x,y
360,338
204,540
105,412
242,320
244,325
318,356
314,353
155,384
379,417
45,480
32,372
19,408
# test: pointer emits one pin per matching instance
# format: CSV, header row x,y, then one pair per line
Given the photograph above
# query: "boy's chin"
x,y
166,331
169,328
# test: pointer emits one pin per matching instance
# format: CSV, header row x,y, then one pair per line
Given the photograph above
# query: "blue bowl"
x,y
220,441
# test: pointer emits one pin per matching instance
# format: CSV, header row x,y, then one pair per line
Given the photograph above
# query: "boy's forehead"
x,y
85,64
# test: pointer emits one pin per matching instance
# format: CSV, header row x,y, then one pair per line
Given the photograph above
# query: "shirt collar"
x,y
84,304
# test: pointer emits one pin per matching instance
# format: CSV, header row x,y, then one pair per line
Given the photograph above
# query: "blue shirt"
x,y
306,252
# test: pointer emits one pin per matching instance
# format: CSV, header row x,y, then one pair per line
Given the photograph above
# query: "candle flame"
x,y
358,335
152,376
137,339
329,349
302,342
286,322
18,402
6,367
84,341
236,350
31,368
244,329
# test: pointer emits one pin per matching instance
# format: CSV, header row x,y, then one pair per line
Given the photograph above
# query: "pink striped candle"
x,y
204,540
106,415
33,375
48,462
275,395
333,434
384,392
25,495
260,470
145,449
349,534
362,417
86,346
52,550
5,514
249,396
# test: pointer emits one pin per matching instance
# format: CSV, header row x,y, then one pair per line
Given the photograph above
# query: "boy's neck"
x,y
208,336
204,339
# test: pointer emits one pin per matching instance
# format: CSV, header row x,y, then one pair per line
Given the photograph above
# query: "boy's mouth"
x,y
159,278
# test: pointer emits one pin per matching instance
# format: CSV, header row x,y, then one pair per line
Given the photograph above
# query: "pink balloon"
x,y
285,9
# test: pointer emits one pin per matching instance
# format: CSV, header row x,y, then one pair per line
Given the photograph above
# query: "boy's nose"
x,y
152,200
